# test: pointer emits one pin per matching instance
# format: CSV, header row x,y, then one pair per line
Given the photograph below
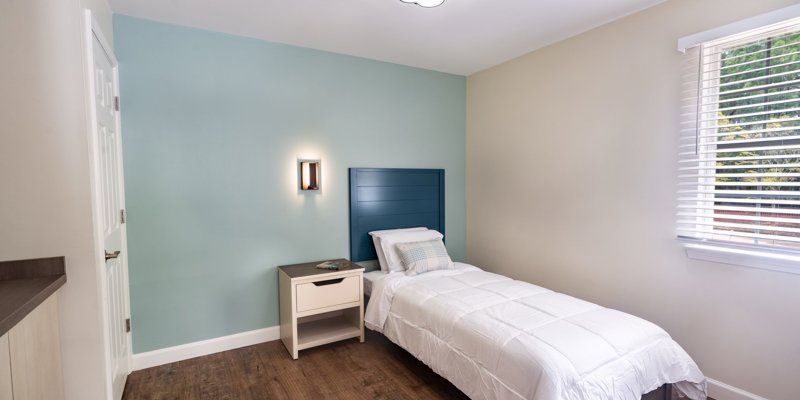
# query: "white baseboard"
x,y
723,391
196,349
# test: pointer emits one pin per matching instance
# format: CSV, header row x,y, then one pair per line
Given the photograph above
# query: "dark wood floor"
x,y
376,369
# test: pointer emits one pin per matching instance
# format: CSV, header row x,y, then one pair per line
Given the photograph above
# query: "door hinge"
x,y
127,325
116,103
123,217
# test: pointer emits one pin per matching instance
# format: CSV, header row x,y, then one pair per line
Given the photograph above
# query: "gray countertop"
x,y
24,285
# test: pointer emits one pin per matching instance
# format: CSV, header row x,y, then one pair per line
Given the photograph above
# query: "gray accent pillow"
x,y
425,256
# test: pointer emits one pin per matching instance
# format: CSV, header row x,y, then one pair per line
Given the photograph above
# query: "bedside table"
x,y
320,306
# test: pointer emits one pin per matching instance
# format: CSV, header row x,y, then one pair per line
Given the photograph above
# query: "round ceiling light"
x,y
425,3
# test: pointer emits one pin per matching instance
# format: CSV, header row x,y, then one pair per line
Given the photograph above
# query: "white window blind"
x,y
739,155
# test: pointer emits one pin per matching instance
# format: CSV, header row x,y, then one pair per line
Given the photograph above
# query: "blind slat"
x,y
736,234
747,80
740,141
704,200
742,158
740,217
744,175
752,114
732,225
754,210
691,104
759,95
764,231
741,184
762,193
741,64
746,90
748,166
744,149
706,135
748,123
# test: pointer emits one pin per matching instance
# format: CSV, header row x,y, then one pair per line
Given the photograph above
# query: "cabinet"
x,y
30,356
320,306
5,369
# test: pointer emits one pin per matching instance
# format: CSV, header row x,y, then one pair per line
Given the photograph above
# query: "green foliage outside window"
x,y
776,60
752,75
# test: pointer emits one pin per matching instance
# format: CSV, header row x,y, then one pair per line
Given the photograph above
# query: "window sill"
x,y
745,256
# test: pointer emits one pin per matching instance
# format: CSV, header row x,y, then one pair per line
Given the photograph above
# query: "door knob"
x,y
110,255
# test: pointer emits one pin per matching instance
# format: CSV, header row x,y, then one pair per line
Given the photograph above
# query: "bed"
x,y
494,337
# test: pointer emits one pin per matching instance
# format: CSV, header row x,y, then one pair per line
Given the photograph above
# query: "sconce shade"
x,y
425,3
309,175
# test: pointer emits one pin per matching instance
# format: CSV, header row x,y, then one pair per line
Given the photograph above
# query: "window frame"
x,y
704,246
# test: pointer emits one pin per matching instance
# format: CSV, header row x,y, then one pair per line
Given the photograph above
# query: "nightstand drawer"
x,y
327,293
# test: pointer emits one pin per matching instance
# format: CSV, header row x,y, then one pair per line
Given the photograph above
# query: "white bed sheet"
x,y
497,338
370,277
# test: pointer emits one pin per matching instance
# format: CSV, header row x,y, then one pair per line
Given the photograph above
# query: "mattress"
x,y
370,277
498,338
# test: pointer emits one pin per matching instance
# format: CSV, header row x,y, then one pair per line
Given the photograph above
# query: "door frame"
x,y
92,30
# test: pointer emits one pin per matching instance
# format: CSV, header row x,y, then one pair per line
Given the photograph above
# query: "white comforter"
x,y
497,338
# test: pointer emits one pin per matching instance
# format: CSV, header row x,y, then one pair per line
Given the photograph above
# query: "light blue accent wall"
x,y
212,126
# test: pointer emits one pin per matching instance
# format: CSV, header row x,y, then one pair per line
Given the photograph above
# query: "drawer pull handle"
x,y
328,282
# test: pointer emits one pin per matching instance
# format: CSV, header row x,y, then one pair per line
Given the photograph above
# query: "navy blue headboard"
x,y
389,198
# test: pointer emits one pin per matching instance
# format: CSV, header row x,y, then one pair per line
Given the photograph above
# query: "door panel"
x,y
110,196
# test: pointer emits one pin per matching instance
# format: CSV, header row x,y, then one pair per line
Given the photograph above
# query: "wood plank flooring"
x,y
376,369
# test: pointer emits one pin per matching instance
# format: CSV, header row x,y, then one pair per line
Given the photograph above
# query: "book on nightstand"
x,y
334,265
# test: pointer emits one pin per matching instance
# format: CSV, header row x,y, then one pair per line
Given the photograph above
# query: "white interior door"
x,y
110,214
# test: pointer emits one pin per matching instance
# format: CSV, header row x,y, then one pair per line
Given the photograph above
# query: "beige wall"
x,y
571,157
45,205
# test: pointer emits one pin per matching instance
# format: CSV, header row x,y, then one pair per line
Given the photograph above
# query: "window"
x,y
739,156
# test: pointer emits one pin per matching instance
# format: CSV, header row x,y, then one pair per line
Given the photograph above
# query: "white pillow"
x,y
421,257
379,250
389,242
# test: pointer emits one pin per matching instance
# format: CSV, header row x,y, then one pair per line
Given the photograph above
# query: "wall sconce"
x,y
308,174
425,3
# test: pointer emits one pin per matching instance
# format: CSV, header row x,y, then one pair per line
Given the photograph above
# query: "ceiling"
x,y
460,36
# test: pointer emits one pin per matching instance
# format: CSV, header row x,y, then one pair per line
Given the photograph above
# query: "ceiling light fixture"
x,y
425,3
